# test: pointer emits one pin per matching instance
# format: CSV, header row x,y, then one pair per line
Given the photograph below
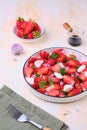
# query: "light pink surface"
x,y
52,14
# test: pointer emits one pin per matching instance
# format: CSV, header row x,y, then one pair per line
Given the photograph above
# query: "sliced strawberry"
x,y
32,59
62,58
51,61
57,86
55,68
43,70
84,63
44,54
37,79
84,85
41,90
82,77
73,63
53,92
68,79
55,79
71,70
58,51
28,71
75,91
45,77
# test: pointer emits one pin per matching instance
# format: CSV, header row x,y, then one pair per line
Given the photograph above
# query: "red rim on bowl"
x,y
80,56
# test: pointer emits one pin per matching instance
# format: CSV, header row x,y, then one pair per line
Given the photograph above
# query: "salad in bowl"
x,y
57,74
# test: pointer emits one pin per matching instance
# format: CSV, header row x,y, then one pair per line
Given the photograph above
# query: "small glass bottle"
x,y
74,35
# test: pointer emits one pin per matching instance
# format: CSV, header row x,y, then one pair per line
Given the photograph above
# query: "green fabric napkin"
x,y
7,122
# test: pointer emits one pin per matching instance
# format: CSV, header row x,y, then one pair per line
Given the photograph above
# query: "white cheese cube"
x,y
58,75
67,88
81,68
38,63
30,80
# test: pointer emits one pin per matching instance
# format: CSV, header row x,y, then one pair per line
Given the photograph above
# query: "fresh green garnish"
x,y
62,71
37,75
80,80
77,66
54,55
73,57
42,84
51,82
34,67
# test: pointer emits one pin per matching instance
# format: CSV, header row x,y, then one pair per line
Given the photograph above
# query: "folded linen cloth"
x,y
7,122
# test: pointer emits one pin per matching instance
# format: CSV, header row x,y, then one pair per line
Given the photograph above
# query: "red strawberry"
x,y
33,34
32,59
51,61
37,79
55,68
55,79
84,85
36,27
43,70
19,22
28,71
61,58
58,51
27,26
68,79
53,92
75,91
44,54
71,70
57,86
82,77
30,36
41,90
84,63
19,33
72,63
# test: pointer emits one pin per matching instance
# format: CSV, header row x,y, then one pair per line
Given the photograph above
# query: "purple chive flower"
x,y
17,49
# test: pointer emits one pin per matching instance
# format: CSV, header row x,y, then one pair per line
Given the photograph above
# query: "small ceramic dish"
x,y
30,40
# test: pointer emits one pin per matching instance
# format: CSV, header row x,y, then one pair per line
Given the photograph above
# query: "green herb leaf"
x,y
80,80
62,71
42,84
51,82
37,74
54,55
77,66
34,67
73,57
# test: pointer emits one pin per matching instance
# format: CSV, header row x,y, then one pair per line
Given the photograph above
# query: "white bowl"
x,y
30,40
80,56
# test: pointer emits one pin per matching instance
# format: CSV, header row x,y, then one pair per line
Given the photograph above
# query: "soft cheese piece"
x,y
81,68
38,63
58,75
30,80
67,87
